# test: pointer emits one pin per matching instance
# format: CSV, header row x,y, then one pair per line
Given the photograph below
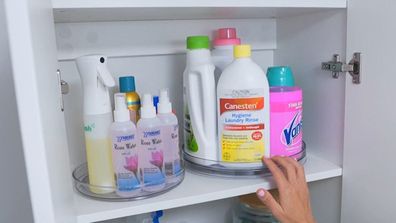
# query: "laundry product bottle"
x,y
200,101
243,112
223,48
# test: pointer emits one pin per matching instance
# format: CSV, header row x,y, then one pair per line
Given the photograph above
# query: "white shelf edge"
x,y
65,4
216,188
66,11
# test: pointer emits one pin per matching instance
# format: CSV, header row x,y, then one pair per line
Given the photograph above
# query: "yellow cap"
x,y
242,51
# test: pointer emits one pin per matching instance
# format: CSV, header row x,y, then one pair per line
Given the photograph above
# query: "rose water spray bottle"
x,y
125,153
150,145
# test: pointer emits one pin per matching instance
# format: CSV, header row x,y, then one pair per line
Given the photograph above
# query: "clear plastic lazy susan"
x,y
239,170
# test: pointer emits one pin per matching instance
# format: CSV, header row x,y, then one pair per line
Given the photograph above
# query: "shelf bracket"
x,y
337,67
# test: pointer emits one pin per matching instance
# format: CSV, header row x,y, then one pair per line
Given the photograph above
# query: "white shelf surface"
x,y
111,10
193,190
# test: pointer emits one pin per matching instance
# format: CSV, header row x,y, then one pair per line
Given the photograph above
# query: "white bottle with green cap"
x,y
200,101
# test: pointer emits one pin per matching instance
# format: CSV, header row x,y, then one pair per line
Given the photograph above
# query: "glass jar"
x,y
251,210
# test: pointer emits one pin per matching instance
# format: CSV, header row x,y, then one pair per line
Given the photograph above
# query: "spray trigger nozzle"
x,y
105,76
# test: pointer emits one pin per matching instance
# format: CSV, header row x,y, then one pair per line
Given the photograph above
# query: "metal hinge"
x,y
336,66
64,89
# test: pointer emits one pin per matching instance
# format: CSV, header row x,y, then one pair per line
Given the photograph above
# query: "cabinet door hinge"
x,y
63,89
336,66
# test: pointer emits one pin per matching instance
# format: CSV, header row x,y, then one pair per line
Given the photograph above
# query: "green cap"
x,y
197,42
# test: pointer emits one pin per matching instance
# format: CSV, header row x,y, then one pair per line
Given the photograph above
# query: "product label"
x,y
152,156
125,162
286,128
172,151
242,125
190,142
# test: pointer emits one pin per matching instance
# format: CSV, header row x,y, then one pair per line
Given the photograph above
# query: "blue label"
x,y
292,131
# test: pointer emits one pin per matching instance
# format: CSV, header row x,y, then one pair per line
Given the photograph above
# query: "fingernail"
x,y
261,193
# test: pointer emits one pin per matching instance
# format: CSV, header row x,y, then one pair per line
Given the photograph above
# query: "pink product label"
x,y
151,158
125,162
171,150
286,128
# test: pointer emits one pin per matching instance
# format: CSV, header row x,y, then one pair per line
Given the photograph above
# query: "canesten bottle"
x,y
243,111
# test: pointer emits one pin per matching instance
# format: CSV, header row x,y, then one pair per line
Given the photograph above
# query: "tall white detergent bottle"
x,y
96,80
243,112
200,138
223,48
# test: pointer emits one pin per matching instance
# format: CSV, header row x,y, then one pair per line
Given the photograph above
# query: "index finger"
x,y
279,176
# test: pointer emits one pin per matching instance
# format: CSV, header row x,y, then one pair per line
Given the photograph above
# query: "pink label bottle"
x,y
124,151
286,120
150,144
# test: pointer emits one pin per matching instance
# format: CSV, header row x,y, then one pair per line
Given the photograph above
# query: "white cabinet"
x,y
347,127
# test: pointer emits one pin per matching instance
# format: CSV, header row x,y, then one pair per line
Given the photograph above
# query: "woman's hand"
x,y
294,205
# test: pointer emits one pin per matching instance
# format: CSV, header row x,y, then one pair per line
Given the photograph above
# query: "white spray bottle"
x,y
96,80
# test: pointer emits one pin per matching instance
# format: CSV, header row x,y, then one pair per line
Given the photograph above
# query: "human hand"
x,y
294,205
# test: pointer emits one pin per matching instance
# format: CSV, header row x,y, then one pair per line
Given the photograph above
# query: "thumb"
x,y
271,203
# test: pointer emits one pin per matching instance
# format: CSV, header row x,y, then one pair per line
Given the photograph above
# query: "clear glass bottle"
x,y
251,210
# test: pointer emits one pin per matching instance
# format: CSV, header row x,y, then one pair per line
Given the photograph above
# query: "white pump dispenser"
x,y
121,112
96,80
164,105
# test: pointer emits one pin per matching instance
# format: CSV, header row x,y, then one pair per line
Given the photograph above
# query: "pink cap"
x,y
226,36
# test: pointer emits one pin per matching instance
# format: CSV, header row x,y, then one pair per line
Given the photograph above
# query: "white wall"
x,y
14,194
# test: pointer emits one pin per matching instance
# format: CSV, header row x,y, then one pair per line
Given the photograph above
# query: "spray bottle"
x,y
96,80
171,137
125,152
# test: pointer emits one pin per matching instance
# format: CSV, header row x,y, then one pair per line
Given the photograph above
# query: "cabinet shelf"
x,y
191,191
120,10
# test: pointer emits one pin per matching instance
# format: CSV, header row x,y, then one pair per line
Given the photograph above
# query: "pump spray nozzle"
x,y
164,105
96,79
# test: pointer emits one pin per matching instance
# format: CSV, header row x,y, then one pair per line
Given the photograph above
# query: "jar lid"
x,y
252,202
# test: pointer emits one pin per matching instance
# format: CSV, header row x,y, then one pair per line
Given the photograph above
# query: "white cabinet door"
x,y
34,61
369,177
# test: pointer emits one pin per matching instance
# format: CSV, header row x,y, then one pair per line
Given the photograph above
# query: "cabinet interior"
x,y
152,51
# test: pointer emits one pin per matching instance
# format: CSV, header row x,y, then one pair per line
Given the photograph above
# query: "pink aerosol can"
x,y
286,106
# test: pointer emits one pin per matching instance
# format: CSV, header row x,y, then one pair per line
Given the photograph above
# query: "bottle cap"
x,y
197,42
121,112
226,36
127,84
164,105
241,51
280,76
147,110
